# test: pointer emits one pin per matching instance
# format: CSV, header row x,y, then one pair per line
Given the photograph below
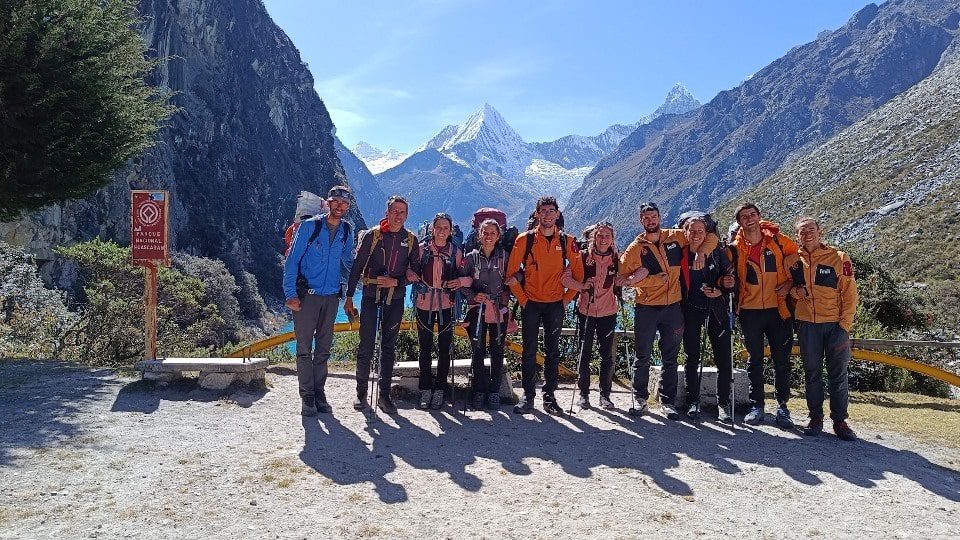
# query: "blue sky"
x,y
393,73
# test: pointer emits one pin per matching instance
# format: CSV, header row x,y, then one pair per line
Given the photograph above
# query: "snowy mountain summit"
x,y
376,159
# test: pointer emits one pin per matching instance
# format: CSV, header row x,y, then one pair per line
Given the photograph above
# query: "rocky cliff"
x,y
250,134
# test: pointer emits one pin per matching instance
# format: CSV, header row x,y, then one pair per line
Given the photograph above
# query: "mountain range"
x,y
487,163
709,155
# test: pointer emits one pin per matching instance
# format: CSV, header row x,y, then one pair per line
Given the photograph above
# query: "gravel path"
x,y
84,453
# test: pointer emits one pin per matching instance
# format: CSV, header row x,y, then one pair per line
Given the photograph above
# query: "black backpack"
x,y
707,218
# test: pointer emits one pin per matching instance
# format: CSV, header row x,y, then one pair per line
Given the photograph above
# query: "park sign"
x,y
150,248
149,227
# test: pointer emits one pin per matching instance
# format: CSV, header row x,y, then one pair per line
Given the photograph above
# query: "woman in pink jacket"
x,y
439,272
597,308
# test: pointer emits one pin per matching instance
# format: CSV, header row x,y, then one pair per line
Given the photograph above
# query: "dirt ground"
x,y
85,453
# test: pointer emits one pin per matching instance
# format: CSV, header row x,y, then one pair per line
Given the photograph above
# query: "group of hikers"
x,y
689,285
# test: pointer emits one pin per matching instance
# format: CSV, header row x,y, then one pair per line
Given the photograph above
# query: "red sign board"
x,y
149,229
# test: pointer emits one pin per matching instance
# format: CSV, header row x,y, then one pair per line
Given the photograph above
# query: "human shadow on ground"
x,y
651,445
39,399
145,396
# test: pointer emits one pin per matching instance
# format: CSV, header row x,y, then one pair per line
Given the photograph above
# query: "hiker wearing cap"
x,y
321,256
657,303
437,273
762,256
826,300
540,256
487,316
705,304
597,309
383,257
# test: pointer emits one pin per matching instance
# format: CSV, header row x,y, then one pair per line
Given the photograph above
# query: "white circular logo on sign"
x,y
148,213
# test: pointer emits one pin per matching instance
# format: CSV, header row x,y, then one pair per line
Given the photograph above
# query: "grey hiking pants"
x,y
819,341
313,326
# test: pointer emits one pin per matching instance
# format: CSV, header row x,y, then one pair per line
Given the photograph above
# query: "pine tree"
x,y
74,103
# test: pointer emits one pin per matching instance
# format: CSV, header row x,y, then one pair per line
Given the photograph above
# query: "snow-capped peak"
x,y
679,100
375,159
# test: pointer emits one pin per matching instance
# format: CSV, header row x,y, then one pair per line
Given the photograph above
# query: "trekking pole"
x,y
733,371
476,342
703,351
583,343
375,377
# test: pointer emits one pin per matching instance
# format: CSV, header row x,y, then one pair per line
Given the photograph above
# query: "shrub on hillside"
x,y
33,319
110,329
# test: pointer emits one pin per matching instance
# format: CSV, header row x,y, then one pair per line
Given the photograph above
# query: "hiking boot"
x,y
754,417
814,427
386,405
551,407
605,403
524,406
493,401
479,401
669,411
639,410
843,431
424,399
694,410
436,403
321,403
360,403
307,408
723,415
783,417
583,402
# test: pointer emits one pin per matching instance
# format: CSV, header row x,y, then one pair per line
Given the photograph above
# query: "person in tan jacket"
x,y
762,256
657,254
826,295
541,255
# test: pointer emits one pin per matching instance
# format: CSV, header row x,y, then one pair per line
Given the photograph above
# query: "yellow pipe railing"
x,y
889,359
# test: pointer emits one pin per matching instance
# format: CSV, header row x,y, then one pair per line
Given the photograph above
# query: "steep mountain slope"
x,y
366,189
575,151
888,185
784,110
251,133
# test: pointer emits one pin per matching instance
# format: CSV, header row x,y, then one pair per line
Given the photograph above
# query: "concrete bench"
x,y
708,385
407,374
215,373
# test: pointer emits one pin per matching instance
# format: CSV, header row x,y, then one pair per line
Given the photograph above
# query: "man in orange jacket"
x,y
762,256
652,265
540,256
826,295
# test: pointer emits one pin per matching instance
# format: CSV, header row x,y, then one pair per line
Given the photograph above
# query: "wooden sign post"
x,y
150,248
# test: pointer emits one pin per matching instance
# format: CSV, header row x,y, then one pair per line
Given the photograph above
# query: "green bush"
x,y
110,330
33,319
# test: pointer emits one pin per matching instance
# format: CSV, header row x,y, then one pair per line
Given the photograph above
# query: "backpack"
x,y
707,218
425,233
508,235
426,256
377,234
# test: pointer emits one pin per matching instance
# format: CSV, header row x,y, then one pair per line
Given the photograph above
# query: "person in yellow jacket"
x,y
541,255
762,256
652,264
826,295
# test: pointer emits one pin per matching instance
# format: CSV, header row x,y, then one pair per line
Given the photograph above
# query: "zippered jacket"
x,y
662,257
325,263
543,271
824,287
390,257
763,267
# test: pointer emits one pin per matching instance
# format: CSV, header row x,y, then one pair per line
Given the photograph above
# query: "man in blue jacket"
x,y
320,260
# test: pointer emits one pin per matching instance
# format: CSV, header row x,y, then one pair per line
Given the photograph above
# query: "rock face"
x,y
888,185
370,197
785,110
250,134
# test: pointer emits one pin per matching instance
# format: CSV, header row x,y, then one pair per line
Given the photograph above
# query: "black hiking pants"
x,y
550,314
757,324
